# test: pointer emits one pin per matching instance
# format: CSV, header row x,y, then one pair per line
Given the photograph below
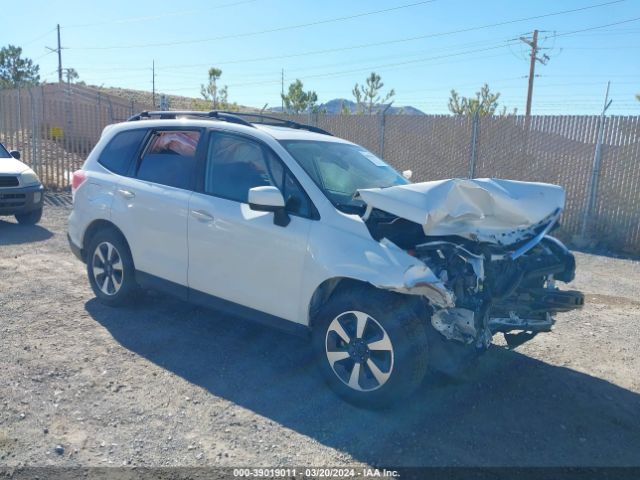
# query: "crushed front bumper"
x,y
21,199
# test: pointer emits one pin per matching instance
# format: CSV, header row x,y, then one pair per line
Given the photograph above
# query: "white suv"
x,y
285,224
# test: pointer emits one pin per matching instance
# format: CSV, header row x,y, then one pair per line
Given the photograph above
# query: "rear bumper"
x,y
21,200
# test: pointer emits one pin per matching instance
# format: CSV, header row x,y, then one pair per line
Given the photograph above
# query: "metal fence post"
x,y
19,131
110,110
595,169
381,130
474,141
34,134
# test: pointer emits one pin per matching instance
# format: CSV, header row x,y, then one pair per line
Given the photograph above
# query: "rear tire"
x,y
110,268
371,346
29,218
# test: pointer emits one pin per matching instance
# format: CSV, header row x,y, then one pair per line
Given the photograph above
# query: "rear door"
x,y
151,206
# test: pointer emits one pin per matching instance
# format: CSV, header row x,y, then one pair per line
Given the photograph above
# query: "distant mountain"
x,y
334,107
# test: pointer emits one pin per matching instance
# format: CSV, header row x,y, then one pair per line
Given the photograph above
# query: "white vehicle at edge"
x,y
285,224
21,192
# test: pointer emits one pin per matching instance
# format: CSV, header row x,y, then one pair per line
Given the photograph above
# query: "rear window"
x,y
170,158
119,152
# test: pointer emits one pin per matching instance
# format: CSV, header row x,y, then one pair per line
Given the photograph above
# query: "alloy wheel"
x,y
359,351
107,268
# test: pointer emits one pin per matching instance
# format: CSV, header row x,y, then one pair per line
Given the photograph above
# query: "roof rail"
x,y
275,121
173,114
225,116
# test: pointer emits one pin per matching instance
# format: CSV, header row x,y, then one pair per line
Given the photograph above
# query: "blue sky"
x,y
114,43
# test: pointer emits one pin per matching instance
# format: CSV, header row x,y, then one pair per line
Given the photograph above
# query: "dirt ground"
x,y
166,383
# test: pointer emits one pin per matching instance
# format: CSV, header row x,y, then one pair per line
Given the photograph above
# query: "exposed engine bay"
x,y
496,286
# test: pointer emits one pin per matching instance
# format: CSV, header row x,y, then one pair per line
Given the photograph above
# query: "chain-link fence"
x,y
55,126
603,194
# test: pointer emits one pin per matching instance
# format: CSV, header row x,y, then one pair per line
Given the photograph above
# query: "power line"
x,y
192,75
388,42
261,32
44,55
593,28
369,68
330,74
169,70
222,63
156,17
406,39
506,44
26,44
420,60
277,80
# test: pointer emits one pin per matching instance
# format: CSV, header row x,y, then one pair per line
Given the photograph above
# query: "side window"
x,y
235,165
295,198
170,158
119,152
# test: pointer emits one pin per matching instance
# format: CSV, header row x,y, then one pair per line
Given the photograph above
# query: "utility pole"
x,y
533,43
59,56
153,82
282,90
59,51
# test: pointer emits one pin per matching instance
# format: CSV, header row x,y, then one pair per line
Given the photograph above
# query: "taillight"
x,y
78,178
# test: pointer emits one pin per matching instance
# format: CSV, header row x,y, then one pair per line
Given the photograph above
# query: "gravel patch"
x,y
165,383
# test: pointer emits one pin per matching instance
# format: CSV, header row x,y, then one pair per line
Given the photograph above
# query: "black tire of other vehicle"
x,y
30,218
406,331
128,286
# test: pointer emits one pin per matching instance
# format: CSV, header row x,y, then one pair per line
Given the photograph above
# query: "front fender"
x,y
336,253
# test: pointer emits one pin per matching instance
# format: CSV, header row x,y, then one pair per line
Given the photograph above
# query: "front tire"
x,y
371,346
110,268
29,218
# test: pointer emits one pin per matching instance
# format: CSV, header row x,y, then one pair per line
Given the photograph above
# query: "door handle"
x,y
126,193
202,215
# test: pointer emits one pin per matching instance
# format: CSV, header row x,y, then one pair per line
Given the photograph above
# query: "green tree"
x,y
358,95
297,100
367,96
484,103
16,71
210,91
638,97
224,102
71,74
224,97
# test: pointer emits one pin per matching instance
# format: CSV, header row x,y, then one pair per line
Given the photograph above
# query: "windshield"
x,y
340,169
4,152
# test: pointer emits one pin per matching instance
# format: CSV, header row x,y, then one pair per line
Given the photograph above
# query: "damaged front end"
x,y
512,295
478,282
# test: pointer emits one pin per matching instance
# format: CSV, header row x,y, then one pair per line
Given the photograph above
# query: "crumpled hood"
x,y
11,166
484,209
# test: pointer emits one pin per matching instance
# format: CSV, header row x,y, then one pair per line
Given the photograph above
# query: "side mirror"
x,y
269,199
407,174
15,154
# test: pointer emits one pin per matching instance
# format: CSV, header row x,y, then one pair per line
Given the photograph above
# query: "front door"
x,y
239,254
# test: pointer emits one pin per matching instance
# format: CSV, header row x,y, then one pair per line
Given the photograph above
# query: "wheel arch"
x,y
420,305
93,228
326,289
